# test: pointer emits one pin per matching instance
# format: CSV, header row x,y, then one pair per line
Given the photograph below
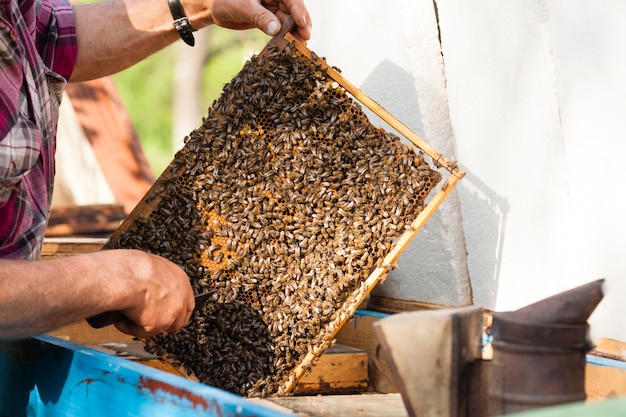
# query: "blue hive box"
x,y
47,376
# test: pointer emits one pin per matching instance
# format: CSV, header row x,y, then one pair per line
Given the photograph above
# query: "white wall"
x,y
530,98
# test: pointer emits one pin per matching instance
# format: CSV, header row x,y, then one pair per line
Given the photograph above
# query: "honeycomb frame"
x,y
222,252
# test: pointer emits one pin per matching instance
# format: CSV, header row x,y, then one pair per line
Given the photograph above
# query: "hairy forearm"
x,y
39,296
115,34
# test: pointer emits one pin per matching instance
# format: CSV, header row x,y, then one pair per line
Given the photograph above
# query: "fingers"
x,y
266,15
185,315
163,299
302,32
265,19
270,14
130,328
300,14
163,323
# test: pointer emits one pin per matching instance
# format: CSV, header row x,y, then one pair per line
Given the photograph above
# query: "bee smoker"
x,y
539,352
538,356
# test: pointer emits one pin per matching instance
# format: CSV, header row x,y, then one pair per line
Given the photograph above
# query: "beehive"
x,y
291,203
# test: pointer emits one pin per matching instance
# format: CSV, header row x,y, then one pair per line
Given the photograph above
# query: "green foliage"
x,y
146,88
227,53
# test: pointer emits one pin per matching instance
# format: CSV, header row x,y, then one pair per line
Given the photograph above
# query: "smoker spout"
x,y
539,352
570,307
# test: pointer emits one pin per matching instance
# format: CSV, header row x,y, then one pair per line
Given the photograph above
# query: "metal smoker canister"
x,y
539,352
536,365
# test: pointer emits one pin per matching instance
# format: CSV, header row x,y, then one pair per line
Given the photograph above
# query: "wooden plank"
x,y
85,219
68,246
60,214
362,405
605,371
610,349
339,369
359,333
604,378
83,334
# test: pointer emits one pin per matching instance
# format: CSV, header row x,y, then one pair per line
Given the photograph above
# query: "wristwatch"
x,y
181,22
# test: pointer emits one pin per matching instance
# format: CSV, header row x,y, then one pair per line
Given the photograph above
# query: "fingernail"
x,y
273,28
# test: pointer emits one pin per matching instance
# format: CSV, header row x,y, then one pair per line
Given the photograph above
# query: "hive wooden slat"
x,y
181,175
69,246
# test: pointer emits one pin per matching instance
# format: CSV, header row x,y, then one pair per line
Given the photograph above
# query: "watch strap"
x,y
181,22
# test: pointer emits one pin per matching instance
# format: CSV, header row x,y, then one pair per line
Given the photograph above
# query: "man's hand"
x,y
266,15
156,296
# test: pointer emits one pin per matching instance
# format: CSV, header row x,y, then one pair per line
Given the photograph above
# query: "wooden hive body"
x,y
291,203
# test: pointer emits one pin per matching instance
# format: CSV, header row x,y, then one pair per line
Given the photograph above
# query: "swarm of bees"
x,y
285,199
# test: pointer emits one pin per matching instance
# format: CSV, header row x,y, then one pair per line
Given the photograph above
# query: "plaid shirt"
x,y
37,54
